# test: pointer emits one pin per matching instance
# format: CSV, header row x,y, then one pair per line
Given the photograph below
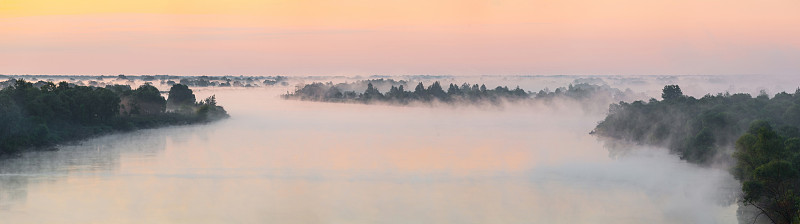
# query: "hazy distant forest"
x,y
464,93
36,115
758,134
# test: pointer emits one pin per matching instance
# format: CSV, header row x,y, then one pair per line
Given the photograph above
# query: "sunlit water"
x,y
277,161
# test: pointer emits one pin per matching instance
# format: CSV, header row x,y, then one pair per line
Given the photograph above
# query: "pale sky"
x,y
354,37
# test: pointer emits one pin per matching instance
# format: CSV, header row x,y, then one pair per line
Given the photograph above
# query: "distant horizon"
x,y
393,75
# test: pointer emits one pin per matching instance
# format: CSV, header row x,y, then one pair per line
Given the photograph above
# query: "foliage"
x,y
768,165
181,98
146,100
332,93
454,93
33,117
698,130
671,92
208,109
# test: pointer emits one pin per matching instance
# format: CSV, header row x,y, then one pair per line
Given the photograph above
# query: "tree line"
x,y
757,135
33,117
453,93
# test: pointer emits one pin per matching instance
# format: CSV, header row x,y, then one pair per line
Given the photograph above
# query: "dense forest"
x,y
44,114
453,93
757,134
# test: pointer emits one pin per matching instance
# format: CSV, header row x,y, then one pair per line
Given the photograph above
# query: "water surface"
x,y
277,161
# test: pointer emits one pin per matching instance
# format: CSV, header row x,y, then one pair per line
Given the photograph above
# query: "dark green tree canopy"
x,y
767,164
671,92
147,99
36,117
180,94
148,93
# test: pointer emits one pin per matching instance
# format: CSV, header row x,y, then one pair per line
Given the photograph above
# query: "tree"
x,y
147,100
180,96
769,182
453,90
419,89
394,93
208,109
465,87
671,92
105,104
12,121
334,93
436,91
372,93
119,89
420,92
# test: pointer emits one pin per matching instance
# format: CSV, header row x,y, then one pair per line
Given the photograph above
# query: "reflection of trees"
x,y
13,190
617,148
183,134
92,155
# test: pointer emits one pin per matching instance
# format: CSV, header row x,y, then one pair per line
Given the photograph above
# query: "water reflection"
x,y
94,157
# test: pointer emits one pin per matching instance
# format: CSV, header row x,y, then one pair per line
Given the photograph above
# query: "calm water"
x,y
279,161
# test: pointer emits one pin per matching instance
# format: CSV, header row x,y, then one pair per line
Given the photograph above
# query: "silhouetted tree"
x,y
372,93
435,90
147,100
671,92
453,90
181,98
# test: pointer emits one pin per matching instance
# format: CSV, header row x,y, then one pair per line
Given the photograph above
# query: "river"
x,y
279,161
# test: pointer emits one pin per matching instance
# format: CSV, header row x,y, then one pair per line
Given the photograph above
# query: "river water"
x,y
278,161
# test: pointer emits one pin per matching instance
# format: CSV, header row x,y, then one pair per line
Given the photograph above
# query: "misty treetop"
x,y
380,84
400,93
181,98
33,116
699,129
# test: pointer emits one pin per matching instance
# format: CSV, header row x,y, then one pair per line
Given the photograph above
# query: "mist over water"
x,y
282,161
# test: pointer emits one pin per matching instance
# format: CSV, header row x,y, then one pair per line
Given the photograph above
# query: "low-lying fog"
x,y
282,161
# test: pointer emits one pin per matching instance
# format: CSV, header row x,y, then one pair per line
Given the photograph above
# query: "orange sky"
x,y
399,37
